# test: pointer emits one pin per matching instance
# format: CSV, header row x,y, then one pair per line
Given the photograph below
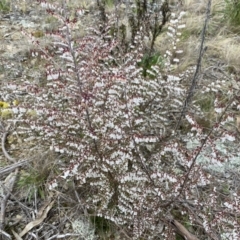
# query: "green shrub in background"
x,y
232,12
109,3
4,6
149,61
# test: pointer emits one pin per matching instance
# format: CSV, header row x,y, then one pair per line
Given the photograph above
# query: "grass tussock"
x,y
227,48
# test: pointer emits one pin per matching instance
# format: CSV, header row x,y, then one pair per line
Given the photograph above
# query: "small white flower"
x,y
181,26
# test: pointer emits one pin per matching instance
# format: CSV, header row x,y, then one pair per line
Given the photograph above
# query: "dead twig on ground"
x,y
183,231
10,179
4,138
179,228
7,189
37,221
8,169
3,233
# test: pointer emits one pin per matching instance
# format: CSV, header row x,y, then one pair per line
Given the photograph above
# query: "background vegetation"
x,y
130,130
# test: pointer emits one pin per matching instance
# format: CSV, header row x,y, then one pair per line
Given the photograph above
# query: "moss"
x,y
6,113
32,113
38,34
4,105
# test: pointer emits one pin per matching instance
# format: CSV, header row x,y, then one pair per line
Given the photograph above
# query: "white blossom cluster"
x,y
101,117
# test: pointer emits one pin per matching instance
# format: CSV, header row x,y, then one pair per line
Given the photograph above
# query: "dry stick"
x,y
195,77
58,236
4,138
37,221
9,181
10,168
189,98
183,231
5,234
40,217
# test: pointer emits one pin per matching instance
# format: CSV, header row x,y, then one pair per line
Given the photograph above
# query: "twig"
x,y
38,221
4,138
16,235
186,178
58,236
9,183
10,168
196,74
183,231
5,234
10,180
16,199
200,149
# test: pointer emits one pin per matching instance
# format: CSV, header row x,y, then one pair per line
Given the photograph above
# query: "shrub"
x,y
117,131
232,12
148,61
4,6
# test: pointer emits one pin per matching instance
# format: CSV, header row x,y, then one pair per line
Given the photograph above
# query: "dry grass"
x,y
228,47
220,39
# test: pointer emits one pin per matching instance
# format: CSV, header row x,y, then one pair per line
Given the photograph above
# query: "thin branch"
x,y
10,168
201,147
196,74
8,187
4,138
196,156
38,220
79,84
58,236
3,233
183,231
